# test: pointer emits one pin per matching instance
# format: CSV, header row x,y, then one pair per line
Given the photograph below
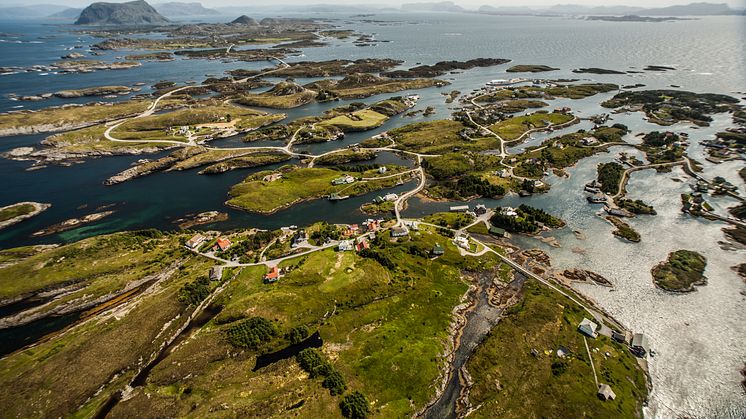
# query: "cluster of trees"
x,y
659,139
357,167
355,406
447,166
526,220
636,207
297,334
253,242
316,365
471,185
539,215
379,256
252,333
195,292
609,175
324,233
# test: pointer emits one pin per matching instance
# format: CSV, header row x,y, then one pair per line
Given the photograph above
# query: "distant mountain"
x,y
693,9
574,9
131,13
443,6
35,11
69,14
178,9
245,20
506,10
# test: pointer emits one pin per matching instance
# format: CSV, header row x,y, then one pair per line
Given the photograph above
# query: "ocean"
x,y
698,337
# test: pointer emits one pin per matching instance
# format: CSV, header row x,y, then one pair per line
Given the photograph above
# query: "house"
x,y
438,250
480,209
298,238
503,173
605,393
222,244
346,246
509,211
351,230
344,180
184,130
216,272
589,141
497,231
272,276
391,197
272,177
382,170
621,337
399,232
639,345
412,225
372,225
462,242
459,208
195,241
362,245
588,328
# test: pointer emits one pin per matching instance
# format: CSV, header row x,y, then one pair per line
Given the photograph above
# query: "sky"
x,y
465,3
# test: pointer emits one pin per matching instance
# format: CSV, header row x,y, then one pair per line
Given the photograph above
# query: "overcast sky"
x,y
464,3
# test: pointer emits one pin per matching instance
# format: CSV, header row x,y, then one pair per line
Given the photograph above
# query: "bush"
x,y
297,334
355,406
252,333
195,292
313,362
334,382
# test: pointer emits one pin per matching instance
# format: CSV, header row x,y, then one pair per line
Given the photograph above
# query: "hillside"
x,y
131,13
180,9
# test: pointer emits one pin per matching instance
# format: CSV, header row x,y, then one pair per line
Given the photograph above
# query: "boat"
x,y
503,82
598,198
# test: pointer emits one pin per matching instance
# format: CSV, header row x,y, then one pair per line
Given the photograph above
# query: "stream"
x,y
480,319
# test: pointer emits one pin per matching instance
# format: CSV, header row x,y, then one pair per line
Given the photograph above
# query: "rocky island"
x,y
683,270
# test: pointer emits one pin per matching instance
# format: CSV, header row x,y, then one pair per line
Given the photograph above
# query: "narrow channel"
x,y
479,321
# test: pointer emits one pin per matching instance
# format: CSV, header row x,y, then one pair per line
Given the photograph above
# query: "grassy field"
x,y
384,330
509,382
515,127
159,127
13,211
454,220
296,185
436,137
72,115
105,263
354,87
361,120
268,100
75,372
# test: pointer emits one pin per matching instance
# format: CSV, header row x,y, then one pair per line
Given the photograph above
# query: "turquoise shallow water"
x,y
698,337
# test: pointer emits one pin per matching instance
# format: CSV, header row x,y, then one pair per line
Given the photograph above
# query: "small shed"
x,y
605,392
438,250
588,328
497,231
640,345
216,273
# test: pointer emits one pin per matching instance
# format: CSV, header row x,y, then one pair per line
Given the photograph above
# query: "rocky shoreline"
x,y
38,209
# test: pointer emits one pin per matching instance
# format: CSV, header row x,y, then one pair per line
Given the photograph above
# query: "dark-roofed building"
x,y
639,345
588,328
216,273
605,392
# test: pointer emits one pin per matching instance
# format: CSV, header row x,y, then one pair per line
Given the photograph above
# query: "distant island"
x,y
137,12
681,272
634,18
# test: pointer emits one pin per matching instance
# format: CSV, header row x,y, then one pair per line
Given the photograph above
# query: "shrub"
x,y
297,334
252,333
195,292
355,406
